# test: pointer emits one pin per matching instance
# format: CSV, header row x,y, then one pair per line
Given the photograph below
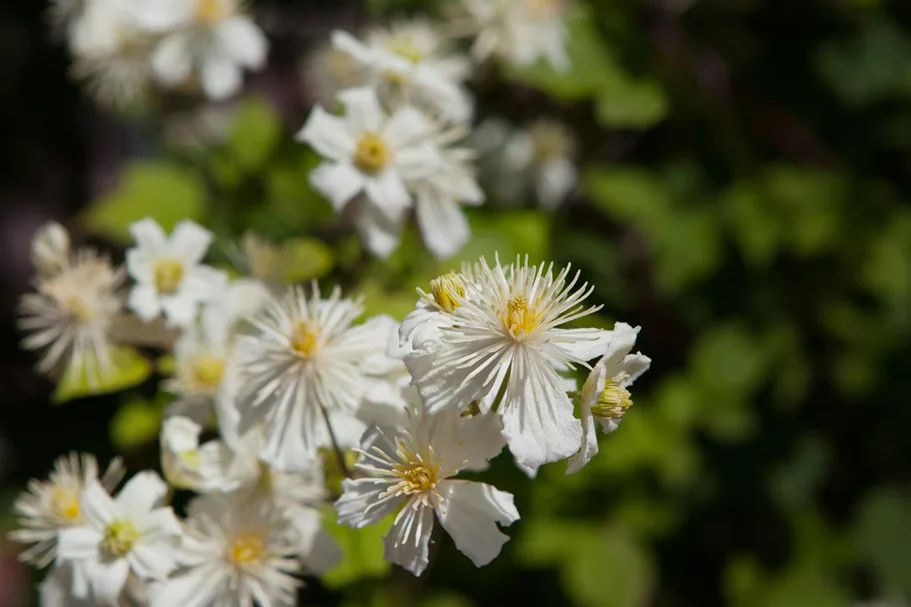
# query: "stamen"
x,y
246,549
304,339
613,401
372,155
120,537
65,504
448,290
168,276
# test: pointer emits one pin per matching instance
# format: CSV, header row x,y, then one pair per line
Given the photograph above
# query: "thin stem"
x,y
339,454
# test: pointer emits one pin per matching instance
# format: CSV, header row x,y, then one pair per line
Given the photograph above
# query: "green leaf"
x,y
884,537
128,369
626,102
362,551
164,191
136,423
257,130
305,259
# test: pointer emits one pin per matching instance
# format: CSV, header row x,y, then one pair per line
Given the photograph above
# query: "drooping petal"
x,y
407,543
582,344
328,135
108,580
380,234
363,111
632,366
388,194
243,42
339,182
441,221
470,515
589,447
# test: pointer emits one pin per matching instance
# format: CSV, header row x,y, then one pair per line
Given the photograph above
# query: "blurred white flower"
x,y
605,396
412,467
49,506
129,534
327,71
543,156
71,315
519,32
169,275
368,152
51,248
209,38
235,552
58,589
186,463
306,359
501,344
412,61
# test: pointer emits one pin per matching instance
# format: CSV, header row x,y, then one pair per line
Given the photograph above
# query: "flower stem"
x,y
339,454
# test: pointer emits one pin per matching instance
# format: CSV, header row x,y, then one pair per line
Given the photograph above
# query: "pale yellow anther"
x,y
448,290
372,155
78,308
208,371
520,318
168,276
246,549
305,339
405,47
613,401
209,12
65,504
418,474
120,537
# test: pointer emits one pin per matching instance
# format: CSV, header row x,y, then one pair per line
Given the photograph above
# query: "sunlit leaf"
x,y
128,368
362,551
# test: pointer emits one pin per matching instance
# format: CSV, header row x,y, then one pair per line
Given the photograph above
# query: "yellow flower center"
x,y
168,276
447,290
418,473
405,47
120,537
189,458
246,549
519,318
304,339
78,308
209,12
613,402
208,371
65,504
371,155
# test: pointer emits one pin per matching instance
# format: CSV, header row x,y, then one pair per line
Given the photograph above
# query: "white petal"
x,y
407,543
221,77
338,182
190,242
406,127
360,504
198,587
363,111
582,344
418,161
141,494
379,233
149,236
555,181
632,366
78,543
328,135
441,221
349,44
589,448
108,580
180,309
97,506
470,513
152,562
145,302
387,192
243,41
538,417
481,440
161,15
171,59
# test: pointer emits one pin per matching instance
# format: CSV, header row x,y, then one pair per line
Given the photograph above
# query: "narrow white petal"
x,y
470,514
589,448
172,59
388,193
363,111
361,505
97,506
380,234
441,221
145,302
328,135
78,543
221,77
149,236
141,494
243,41
339,182
407,543
108,580
406,127
190,242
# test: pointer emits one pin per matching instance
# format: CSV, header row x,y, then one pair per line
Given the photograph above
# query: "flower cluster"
x,y
292,381
126,48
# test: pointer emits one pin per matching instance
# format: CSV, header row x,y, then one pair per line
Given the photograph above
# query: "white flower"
x,y
327,71
307,359
128,534
168,272
413,61
501,344
519,32
605,396
51,505
542,157
51,248
186,463
413,467
58,589
439,198
235,552
210,38
368,152
203,356
71,315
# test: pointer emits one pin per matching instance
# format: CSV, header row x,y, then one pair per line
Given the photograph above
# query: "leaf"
x,y
162,190
627,102
304,259
128,369
362,551
136,423
257,130
883,533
